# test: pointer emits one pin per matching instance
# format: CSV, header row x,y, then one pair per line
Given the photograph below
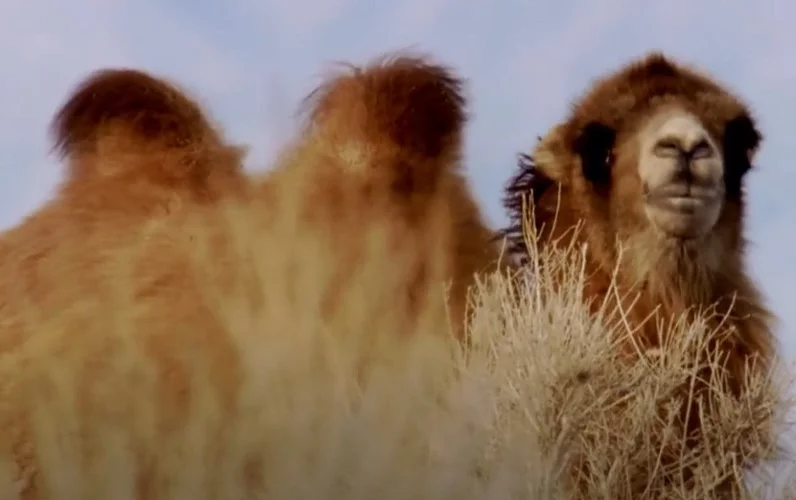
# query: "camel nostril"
x,y
701,150
667,148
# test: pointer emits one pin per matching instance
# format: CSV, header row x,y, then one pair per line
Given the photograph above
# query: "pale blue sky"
x,y
251,61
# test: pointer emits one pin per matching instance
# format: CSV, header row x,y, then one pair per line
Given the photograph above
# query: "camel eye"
x,y
594,145
741,139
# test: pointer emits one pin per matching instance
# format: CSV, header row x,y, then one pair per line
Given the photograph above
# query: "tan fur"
x,y
139,154
587,168
380,155
136,148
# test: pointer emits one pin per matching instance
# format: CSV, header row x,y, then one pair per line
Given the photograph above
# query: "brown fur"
x,y
140,156
128,130
382,148
136,149
380,156
665,279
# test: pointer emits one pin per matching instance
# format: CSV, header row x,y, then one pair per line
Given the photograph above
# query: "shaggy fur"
x,y
127,130
136,149
381,148
139,155
151,186
584,171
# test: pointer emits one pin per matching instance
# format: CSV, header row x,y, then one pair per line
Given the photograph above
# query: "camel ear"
x,y
741,140
548,152
593,145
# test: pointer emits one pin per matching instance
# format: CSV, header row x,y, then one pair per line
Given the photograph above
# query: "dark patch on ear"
x,y
741,137
593,145
526,186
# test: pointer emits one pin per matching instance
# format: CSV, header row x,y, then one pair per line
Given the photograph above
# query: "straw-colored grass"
x,y
230,384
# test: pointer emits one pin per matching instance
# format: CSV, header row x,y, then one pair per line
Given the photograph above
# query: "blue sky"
x,y
251,61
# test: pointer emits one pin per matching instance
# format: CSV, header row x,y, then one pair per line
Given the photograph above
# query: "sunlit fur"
x,y
609,165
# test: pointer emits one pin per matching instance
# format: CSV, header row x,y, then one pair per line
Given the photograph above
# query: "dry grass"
x,y
363,404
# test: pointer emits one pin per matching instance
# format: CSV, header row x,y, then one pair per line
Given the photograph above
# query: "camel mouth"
x,y
680,204
684,211
686,199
